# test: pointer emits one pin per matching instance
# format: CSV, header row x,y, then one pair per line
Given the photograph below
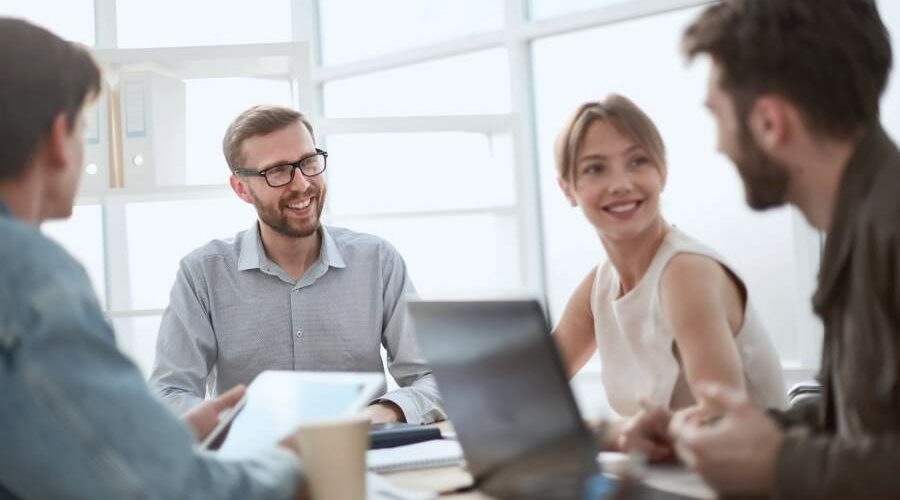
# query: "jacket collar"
x,y
855,185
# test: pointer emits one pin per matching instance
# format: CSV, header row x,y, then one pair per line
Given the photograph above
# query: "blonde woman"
x,y
664,311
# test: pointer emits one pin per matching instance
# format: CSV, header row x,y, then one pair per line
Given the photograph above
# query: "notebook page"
x,y
436,453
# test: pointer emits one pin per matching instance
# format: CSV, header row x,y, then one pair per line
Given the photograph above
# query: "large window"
x,y
541,9
211,105
440,116
175,23
161,233
136,337
416,172
82,236
424,148
475,83
72,19
890,106
352,29
452,255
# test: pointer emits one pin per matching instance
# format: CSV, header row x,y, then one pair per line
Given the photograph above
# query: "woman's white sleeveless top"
x,y
636,345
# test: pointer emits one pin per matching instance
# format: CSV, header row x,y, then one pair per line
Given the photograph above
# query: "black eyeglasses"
x,y
280,175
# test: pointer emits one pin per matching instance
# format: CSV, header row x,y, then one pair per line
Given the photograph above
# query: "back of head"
x,y
831,58
41,77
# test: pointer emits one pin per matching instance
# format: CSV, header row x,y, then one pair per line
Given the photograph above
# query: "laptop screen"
x,y
501,379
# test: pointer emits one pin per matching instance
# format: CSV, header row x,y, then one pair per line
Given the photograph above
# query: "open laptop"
x,y
509,399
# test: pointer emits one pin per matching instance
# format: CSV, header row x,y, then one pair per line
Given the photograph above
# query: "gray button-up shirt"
x,y
234,313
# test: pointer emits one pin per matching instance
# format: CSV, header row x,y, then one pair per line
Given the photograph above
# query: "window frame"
x,y
516,36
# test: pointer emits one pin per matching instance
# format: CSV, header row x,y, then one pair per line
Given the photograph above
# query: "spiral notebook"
x,y
425,455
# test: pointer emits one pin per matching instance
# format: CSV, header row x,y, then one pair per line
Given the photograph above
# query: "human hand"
x,y
291,443
204,417
734,451
384,412
647,433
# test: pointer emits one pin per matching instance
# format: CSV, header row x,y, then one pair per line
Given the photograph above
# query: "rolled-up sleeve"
x,y
418,395
186,348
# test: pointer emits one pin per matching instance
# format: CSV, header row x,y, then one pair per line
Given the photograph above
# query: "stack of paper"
x,y
378,488
436,453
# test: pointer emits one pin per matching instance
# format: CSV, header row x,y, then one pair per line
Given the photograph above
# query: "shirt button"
x,y
299,334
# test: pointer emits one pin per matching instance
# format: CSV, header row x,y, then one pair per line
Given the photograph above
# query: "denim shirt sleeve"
x,y
77,418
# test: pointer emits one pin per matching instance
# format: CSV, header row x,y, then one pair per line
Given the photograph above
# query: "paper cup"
x,y
334,457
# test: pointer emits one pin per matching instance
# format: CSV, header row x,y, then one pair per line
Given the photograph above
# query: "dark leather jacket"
x,y
849,445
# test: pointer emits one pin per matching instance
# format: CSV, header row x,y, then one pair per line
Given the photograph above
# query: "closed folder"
x,y
399,434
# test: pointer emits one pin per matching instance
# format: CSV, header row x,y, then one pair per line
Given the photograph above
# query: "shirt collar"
x,y
253,256
331,253
4,211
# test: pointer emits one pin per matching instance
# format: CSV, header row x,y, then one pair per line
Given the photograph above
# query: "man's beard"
x,y
766,180
275,218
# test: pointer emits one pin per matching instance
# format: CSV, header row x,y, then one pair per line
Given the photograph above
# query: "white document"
x,y
379,488
425,455
277,402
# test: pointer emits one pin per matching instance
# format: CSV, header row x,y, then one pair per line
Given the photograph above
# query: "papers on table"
x,y
436,453
378,488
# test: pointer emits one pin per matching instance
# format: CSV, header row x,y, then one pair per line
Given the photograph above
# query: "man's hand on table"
x,y
384,412
734,451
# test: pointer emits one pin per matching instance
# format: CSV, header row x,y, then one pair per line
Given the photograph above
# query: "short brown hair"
x,y
624,116
831,58
258,120
41,77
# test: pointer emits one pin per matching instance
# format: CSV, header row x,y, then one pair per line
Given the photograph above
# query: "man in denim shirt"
x,y
76,418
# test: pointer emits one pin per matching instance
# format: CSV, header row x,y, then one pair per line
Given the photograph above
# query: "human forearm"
x,y
275,474
186,346
420,401
177,400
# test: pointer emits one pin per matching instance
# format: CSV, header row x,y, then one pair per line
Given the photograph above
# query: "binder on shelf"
x,y
152,129
95,178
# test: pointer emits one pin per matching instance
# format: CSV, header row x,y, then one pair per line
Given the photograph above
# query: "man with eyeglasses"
x,y
289,293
